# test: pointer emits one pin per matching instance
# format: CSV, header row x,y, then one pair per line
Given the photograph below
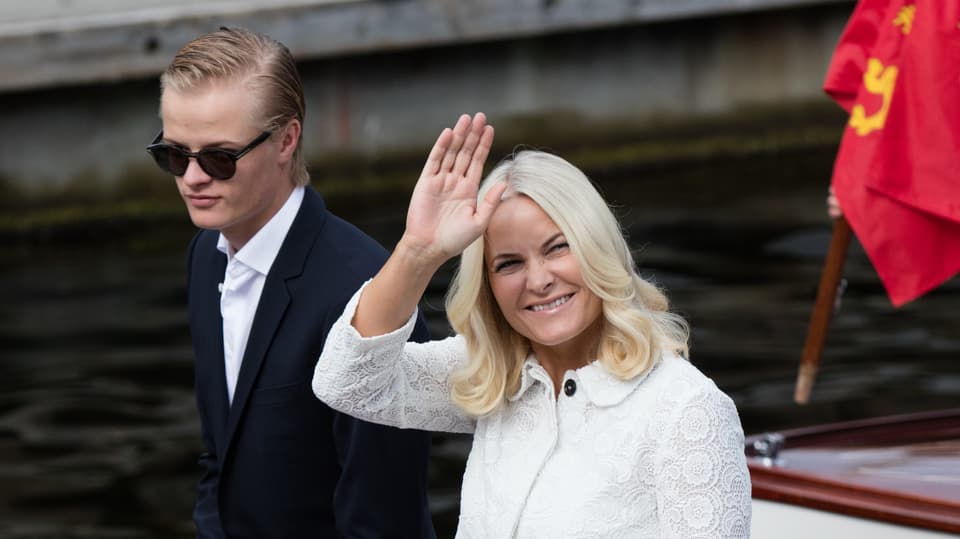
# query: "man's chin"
x,y
205,220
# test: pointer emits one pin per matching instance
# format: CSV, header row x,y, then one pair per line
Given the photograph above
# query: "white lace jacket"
x,y
659,456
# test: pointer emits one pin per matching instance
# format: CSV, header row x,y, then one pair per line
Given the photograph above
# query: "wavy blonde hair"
x,y
265,65
636,322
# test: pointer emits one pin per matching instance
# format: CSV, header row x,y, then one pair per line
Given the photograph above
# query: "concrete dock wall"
x,y
80,102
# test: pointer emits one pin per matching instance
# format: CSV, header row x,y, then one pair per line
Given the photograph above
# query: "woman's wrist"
x,y
418,257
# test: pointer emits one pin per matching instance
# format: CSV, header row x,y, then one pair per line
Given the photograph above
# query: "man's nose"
x,y
195,175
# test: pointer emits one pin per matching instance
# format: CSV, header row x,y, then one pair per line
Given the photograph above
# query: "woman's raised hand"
x,y
444,217
442,220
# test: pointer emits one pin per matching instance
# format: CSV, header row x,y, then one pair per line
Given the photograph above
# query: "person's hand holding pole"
x,y
826,303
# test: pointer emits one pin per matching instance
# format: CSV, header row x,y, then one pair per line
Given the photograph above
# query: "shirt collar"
x,y
262,249
599,385
530,365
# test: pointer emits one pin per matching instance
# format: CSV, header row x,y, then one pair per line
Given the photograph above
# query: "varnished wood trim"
x,y
807,490
817,492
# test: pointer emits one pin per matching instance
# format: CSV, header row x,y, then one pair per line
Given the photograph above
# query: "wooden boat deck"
x,y
903,470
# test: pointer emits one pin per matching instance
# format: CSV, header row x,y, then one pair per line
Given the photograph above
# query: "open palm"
x,y
444,217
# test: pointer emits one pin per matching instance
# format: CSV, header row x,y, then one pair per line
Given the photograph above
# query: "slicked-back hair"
x,y
263,65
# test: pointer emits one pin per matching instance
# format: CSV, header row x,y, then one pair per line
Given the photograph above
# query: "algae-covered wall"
x,y
708,83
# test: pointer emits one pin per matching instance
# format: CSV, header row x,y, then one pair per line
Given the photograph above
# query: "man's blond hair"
x,y
264,65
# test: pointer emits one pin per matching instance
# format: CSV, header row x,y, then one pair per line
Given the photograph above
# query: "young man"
x,y
268,274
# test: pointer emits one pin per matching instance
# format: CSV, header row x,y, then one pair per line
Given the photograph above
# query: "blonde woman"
x,y
567,367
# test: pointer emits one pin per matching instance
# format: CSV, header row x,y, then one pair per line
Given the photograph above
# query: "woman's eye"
x,y
505,266
559,247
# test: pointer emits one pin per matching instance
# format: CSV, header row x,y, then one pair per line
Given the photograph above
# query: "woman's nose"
x,y
539,276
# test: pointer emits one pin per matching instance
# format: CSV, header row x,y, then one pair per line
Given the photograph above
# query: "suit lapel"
x,y
209,341
274,302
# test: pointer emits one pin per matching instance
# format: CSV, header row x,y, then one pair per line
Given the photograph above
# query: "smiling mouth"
x,y
552,305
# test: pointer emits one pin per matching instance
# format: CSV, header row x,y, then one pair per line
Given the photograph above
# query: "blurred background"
x,y
702,121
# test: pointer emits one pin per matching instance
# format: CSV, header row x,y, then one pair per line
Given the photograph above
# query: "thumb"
x,y
489,203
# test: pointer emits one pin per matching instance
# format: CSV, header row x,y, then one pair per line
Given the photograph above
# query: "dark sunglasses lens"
x,y
178,162
217,163
170,159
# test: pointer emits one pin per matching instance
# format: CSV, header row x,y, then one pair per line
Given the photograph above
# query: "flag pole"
x,y
827,296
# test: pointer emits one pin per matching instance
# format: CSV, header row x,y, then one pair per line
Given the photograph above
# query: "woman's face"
x,y
536,280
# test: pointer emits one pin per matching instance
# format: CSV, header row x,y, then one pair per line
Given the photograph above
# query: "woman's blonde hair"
x,y
265,65
636,322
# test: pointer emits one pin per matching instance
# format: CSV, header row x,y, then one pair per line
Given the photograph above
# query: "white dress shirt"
x,y
243,282
657,456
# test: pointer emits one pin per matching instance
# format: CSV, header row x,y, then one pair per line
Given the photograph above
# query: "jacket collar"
x,y
599,385
262,249
275,298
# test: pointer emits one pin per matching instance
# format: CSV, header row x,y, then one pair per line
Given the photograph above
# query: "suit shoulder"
x,y
204,240
346,244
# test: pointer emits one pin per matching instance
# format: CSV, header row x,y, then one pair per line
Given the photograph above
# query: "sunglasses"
x,y
219,163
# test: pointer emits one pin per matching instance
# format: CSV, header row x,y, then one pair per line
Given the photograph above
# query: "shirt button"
x,y
569,387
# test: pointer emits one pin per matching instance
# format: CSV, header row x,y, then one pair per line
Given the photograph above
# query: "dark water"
x,y
98,432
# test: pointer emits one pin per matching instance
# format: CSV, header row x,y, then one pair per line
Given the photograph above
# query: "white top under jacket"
x,y
658,456
243,282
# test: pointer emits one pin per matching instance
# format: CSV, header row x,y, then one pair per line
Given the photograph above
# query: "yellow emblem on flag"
x,y
878,80
904,18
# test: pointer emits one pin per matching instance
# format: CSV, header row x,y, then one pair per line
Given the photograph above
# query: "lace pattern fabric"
x,y
660,455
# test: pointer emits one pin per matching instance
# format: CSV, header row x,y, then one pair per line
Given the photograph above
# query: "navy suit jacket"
x,y
278,462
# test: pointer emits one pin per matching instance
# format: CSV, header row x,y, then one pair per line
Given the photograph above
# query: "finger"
x,y
465,155
475,170
459,134
489,203
432,166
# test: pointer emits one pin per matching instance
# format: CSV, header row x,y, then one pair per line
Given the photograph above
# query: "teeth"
x,y
551,305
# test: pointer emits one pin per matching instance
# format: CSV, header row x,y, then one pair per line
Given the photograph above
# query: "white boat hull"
x,y
785,521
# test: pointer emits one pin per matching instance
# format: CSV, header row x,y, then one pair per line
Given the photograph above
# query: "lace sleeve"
x,y
703,485
388,380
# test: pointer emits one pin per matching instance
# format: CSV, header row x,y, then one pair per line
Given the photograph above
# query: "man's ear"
x,y
290,138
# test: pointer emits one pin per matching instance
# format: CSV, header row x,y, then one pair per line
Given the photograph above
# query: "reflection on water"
x,y
98,432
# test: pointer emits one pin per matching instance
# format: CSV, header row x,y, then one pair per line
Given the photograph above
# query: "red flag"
x,y
897,174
